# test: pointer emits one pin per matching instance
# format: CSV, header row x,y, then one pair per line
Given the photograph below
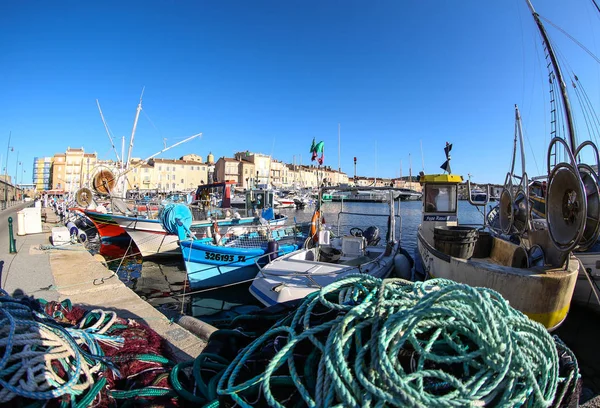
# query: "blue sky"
x,y
268,76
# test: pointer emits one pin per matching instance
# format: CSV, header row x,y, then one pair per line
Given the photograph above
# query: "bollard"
x,y
12,245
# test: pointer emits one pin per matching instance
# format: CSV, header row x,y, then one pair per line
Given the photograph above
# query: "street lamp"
x,y
8,149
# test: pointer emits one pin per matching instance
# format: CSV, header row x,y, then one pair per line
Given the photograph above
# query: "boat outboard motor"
x,y
371,234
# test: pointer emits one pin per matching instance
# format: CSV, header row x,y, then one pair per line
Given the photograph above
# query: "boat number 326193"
x,y
222,257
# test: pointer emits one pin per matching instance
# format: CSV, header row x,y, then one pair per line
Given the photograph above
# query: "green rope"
x,y
92,393
373,342
144,392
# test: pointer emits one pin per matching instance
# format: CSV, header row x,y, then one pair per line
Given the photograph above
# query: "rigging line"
x,y
585,115
589,115
596,4
522,51
583,47
590,105
151,122
532,152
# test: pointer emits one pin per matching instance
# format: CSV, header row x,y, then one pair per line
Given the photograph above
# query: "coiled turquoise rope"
x,y
390,342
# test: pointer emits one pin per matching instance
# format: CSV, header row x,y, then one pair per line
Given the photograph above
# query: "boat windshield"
x,y
440,198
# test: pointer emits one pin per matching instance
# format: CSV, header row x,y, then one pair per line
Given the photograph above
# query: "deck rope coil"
x,y
373,342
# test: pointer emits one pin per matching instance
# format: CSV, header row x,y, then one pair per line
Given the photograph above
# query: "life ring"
x,y
313,225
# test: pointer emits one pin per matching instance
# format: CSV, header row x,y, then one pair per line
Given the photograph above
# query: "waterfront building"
x,y
72,169
42,173
192,157
227,169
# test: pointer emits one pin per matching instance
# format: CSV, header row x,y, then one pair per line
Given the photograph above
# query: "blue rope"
x,y
172,216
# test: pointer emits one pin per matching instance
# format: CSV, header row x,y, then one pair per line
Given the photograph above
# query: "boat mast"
x,y
519,134
135,122
559,78
339,149
410,170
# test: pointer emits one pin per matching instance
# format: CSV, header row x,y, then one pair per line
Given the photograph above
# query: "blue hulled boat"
x,y
235,259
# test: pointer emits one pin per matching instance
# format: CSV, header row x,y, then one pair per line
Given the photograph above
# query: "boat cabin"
x,y
440,202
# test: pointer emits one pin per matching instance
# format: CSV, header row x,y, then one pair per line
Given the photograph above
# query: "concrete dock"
x,y
73,273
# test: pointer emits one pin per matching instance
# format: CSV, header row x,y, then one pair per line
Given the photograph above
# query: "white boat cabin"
x,y
440,202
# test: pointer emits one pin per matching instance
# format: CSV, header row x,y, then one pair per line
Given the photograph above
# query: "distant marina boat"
x,y
360,196
407,194
479,196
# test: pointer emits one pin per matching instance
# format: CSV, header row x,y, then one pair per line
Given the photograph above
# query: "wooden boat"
x,y
465,255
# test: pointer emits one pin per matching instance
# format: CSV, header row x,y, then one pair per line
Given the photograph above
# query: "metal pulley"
x,y
566,207
521,211
592,216
84,197
506,211
104,181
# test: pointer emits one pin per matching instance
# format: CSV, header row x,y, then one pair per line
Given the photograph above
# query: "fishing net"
x,y
56,354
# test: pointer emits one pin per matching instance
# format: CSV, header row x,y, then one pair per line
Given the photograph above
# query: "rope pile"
x,y
54,351
363,341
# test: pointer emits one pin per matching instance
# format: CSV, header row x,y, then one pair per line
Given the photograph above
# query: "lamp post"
x,y
16,169
8,149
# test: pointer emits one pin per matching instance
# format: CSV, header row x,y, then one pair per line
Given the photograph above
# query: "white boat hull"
x,y
292,277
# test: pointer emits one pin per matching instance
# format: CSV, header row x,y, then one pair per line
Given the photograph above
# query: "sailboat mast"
x,y
135,122
122,151
559,78
410,169
339,149
422,156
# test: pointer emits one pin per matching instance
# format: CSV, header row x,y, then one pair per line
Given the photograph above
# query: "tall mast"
x,y
135,122
122,152
559,78
422,156
519,135
410,169
339,149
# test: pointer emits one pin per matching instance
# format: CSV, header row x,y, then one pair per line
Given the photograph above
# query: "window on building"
x,y
181,181
159,168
